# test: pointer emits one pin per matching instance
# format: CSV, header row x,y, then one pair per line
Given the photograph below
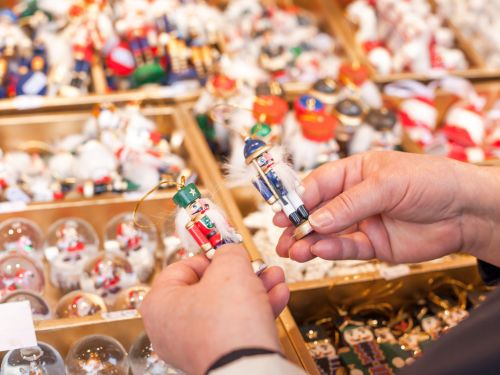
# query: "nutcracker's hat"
x,y
253,148
186,195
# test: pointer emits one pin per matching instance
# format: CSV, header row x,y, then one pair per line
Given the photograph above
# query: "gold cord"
x,y
169,183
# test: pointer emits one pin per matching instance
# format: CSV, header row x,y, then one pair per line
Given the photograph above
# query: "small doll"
x,y
200,223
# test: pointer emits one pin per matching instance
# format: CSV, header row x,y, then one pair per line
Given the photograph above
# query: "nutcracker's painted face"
x,y
264,159
195,207
358,335
323,350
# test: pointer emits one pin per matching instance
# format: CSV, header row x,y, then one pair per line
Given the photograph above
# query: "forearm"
x,y
480,216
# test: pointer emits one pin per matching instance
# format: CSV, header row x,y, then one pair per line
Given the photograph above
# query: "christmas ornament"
x,y
200,223
20,272
97,354
131,298
364,354
22,236
69,245
107,275
144,360
78,304
39,307
350,113
136,243
321,348
42,359
311,134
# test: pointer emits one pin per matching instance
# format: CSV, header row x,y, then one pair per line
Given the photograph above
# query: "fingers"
x,y
326,182
278,297
186,272
285,242
361,201
271,277
347,246
230,260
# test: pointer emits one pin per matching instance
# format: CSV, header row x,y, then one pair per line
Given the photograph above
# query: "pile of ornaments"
x,y
75,47
93,354
469,130
93,281
266,236
339,116
476,20
404,36
118,151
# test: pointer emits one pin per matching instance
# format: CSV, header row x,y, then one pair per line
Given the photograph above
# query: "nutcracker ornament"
x,y
363,354
78,304
319,343
69,245
350,113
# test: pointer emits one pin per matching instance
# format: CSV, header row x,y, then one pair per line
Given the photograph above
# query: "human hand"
x,y
198,310
397,207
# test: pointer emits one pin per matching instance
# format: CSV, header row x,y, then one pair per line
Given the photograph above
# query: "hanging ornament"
x,y
39,307
20,272
131,298
42,359
19,235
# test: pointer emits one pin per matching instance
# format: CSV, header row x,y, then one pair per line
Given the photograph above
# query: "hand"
x,y
198,311
397,207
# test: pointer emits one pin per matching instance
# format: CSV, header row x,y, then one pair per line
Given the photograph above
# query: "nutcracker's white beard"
x,y
218,218
243,174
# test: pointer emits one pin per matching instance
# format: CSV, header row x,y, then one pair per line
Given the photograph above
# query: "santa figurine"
x,y
107,275
464,128
136,244
418,116
70,244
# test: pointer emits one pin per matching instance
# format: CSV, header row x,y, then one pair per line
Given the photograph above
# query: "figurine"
x,y
136,243
70,244
276,182
21,235
350,113
107,275
365,355
78,304
200,223
20,272
131,298
311,134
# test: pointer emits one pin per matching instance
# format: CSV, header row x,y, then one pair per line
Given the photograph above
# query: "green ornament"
x,y
187,195
260,130
296,51
148,73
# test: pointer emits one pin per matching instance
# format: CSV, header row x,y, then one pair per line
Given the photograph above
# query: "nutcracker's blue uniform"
x,y
273,190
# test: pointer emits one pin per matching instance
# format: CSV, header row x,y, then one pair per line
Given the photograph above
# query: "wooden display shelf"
x,y
476,70
309,300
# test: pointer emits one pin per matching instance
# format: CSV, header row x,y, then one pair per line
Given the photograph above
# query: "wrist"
x,y
480,211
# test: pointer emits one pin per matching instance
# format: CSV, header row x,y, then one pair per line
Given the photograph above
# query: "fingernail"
x,y
320,218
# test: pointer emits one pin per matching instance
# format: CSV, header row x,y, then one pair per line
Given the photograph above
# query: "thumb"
x,y
231,259
350,207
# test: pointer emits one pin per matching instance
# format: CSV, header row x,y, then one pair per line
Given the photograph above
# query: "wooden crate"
x,y
311,299
476,70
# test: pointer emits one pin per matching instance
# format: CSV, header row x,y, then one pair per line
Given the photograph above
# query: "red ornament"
x,y
318,127
353,73
121,60
272,108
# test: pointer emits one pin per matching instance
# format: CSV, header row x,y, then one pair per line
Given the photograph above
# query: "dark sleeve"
x,y
473,347
489,273
237,354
